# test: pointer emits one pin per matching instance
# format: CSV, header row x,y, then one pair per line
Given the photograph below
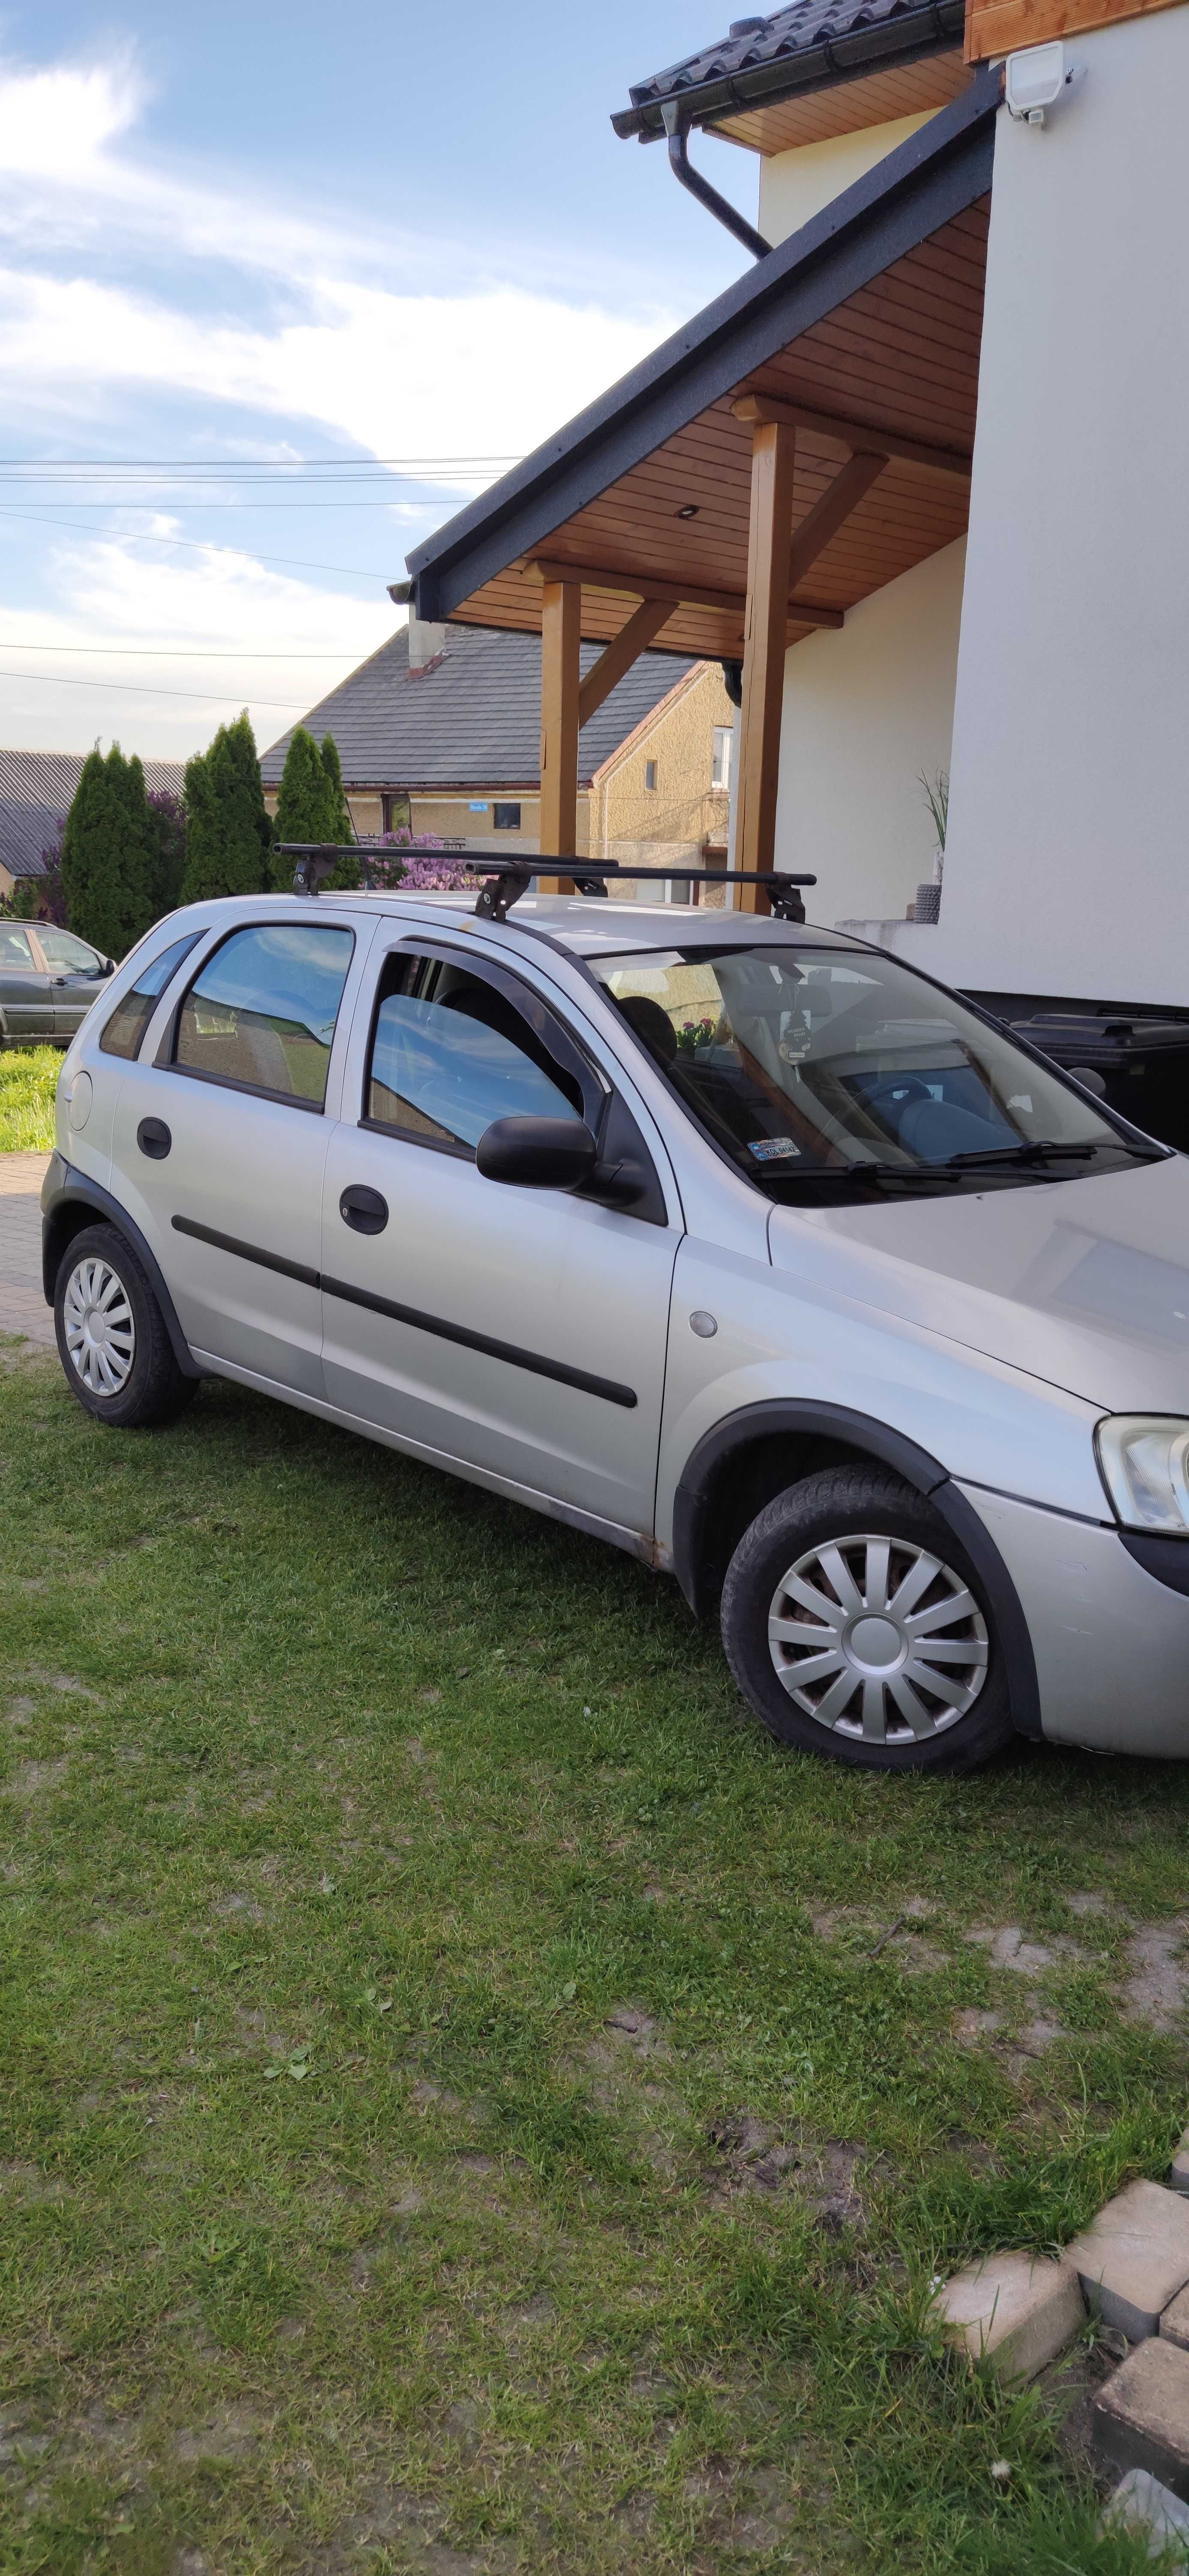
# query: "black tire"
x,y
154,1390
850,1505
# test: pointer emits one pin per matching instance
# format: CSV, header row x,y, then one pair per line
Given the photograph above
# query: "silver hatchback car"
x,y
731,1241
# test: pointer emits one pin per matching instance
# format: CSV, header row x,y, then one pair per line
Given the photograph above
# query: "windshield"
x,y
825,1075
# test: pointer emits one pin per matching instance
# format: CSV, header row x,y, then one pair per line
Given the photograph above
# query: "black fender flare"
x,y
876,1440
63,1187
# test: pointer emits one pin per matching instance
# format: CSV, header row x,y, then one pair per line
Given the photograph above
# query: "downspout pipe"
x,y
708,196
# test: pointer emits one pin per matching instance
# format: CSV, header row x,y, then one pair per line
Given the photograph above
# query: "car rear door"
x,y
77,973
521,1333
26,1003
220,1140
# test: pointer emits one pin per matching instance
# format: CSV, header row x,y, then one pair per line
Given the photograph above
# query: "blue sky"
x,y
280,244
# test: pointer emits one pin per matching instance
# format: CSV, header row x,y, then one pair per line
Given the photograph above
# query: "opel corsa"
x,y
731,1241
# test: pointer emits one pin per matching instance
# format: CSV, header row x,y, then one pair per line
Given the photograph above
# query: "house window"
x,y
650,775
507,818
397,811
720,767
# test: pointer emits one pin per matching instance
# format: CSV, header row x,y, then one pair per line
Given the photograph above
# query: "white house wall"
x,y
795,185
866,709
1068,862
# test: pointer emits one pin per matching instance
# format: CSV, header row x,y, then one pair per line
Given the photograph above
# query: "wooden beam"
x,y
828,513
618,656
561,631
642,585
773,447
753,408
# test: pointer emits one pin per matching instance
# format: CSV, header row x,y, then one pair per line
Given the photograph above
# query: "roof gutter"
x,y
918,32
677,129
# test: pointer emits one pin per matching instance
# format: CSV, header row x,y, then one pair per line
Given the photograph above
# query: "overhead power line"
x,y
182,652
142,689
192,545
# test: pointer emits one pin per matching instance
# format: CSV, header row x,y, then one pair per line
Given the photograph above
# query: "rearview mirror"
x,y
107,965
537,1153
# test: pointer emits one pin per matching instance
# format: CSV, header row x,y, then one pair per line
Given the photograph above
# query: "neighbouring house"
x,y
920,469
36,794
440,732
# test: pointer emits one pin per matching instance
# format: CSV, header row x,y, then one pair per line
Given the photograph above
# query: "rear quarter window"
x,y
124,1031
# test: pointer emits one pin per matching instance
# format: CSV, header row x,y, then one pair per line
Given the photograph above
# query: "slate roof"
x,y
473,719
36,794
770,58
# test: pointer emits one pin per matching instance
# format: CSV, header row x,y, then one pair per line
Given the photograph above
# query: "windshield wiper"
x,y
914,1172
1045,1150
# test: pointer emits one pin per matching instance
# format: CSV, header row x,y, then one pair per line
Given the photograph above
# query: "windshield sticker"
x,y
773,1149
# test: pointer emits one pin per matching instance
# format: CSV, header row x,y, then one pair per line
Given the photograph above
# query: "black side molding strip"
x,y
605,1388
247,1251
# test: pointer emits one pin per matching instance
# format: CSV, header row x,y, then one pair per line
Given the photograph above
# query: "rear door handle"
x,y
363,1210
154,1139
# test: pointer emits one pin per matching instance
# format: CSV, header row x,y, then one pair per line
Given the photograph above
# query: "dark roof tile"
x,y
806,27
473,719
36,793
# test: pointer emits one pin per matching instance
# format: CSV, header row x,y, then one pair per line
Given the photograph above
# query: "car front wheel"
x,y
112,1337
855,1627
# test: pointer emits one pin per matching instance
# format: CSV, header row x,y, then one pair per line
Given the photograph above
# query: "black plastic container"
x,y
1144,1063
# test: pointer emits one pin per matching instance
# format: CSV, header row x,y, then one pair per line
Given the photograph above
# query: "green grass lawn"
x,y
28,1078
456,2114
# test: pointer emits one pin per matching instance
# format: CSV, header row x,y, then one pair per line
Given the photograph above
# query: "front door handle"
x,y
154,1139
363,1210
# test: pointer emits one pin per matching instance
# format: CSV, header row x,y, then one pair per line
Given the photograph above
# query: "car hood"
x,y
1082,1282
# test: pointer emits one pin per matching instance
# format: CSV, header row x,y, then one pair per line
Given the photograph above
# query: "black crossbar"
x,y
316,860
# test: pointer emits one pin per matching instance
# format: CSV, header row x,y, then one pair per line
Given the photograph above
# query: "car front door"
x,y
517,1332
26,1002
220,1142
77,973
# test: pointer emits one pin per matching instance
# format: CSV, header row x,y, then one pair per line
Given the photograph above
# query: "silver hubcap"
x,y
877,1639
100,1333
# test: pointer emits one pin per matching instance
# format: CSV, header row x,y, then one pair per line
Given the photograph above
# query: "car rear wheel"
x,y
112,1337
855,1627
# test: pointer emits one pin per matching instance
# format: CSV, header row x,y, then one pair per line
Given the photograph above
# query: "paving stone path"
x,y
22,1307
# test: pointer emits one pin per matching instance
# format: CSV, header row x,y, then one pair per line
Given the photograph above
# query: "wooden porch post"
x,y
765,639
561,632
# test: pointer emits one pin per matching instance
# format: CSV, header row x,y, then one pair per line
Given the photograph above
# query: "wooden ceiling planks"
x,y
879,98
902,354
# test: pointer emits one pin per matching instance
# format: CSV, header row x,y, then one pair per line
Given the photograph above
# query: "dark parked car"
x,y
48,981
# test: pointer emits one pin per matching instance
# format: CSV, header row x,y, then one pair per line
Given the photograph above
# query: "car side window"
x,y
123,1032
260,1014
66,954
14,948
450,1053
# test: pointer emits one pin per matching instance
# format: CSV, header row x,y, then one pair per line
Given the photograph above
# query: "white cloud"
x,y
57,123
102,594
133,292
412,375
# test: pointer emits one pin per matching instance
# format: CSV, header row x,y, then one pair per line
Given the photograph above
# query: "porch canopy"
x,y
803,441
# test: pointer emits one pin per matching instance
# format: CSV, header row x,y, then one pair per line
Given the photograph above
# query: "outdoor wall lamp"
x,y
1034,82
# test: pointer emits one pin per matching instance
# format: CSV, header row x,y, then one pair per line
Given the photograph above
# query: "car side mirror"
x,y
537,1153
107,965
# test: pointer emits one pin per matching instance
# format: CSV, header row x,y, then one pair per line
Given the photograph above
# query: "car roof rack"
x,y
506,880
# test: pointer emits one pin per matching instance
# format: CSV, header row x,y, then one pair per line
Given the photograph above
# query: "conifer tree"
x,y
109,854
311,805
346,875
228,832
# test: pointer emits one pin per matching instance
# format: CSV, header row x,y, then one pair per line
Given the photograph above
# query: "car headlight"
x,y
1143,1459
